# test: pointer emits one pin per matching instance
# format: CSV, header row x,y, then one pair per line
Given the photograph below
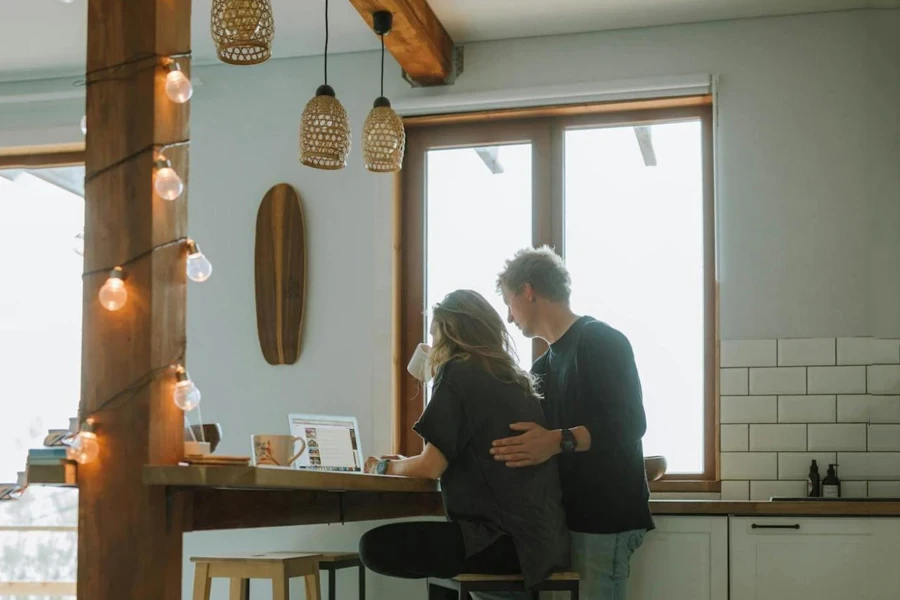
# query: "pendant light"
x,y
384,139
242,30
324,128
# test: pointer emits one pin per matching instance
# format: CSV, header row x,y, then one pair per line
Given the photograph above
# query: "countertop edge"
x,y
775,509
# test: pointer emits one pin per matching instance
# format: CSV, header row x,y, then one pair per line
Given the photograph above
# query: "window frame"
x,y
545,128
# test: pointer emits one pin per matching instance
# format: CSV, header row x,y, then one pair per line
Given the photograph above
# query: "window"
x,y
41,221
624,193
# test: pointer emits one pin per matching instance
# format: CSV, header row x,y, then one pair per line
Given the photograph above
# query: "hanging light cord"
x,y
326,42
382,65
136,258
133,388
159,147
90,76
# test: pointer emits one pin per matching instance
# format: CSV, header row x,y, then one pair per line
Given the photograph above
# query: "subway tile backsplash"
x,y
785,402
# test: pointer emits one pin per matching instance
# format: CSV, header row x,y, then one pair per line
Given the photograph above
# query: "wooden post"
x,y
127,548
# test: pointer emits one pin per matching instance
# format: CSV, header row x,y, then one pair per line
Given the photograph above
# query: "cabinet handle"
x,y
794,526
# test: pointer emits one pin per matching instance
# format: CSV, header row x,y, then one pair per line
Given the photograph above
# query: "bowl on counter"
x,y
206,432
655,467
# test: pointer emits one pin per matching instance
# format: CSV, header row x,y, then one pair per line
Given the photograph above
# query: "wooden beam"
x,y
418,40
128,544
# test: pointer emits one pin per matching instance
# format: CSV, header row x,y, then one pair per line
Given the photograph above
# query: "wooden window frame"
x,y
545,128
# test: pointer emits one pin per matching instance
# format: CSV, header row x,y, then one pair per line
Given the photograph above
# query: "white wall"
x,y
808,135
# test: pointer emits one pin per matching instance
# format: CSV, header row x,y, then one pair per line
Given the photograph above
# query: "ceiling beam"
x,y
418,40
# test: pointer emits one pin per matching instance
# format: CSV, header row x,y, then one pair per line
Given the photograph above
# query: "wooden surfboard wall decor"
x,y
280,266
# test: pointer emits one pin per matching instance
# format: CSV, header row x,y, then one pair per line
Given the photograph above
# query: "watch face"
x,y
381,467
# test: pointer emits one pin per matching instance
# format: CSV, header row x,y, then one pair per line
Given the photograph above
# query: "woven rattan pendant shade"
x,y
243,30
324,132
384,139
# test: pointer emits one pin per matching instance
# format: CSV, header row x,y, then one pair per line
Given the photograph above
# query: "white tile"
x,y
884,489
733,382
734,438
867,351
884,438
841,436
778,437
869,465
749,465
748,409
747,353
837,380
806,352
778,380
807,409
735,490
869,409
764,490
795,465
884,379
854,489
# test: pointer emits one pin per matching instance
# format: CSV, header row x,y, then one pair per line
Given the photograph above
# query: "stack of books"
x,y
51,465
48,456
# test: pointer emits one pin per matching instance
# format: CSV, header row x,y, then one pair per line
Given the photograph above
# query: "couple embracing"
x,y
540,471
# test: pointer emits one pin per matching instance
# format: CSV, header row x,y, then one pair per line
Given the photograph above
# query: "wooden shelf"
x,y
263,478
63,474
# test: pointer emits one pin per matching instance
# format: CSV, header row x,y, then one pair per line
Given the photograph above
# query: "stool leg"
x,y
463,592
573,595
313,589
332,583
281,588
239,589
202,582
362,582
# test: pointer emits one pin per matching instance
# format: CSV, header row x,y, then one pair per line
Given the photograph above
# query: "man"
x,y
594,409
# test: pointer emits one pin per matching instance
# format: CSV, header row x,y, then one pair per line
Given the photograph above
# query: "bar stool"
x,y
335,561
564,581
279,567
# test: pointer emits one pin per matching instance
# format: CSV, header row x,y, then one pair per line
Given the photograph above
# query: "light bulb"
x,y
84,125
185,395
198,266
178,86
167,184
113,294
84,447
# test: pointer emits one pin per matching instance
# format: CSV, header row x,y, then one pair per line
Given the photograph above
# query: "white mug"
x,y
275,450
420,364
193,448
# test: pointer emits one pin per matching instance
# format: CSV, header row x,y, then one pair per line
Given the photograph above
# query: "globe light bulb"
x,y
198,266
84,447
185,394
168,184
84,125
113,294
178,86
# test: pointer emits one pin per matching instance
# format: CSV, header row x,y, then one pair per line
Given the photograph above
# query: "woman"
x,y
500,520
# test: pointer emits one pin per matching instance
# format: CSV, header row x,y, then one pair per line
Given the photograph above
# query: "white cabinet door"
x,y
684,558
824,558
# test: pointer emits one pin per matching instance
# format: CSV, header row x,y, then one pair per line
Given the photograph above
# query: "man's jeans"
x,y
602,560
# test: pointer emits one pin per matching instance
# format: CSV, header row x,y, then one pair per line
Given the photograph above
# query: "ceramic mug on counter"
x,y
277,450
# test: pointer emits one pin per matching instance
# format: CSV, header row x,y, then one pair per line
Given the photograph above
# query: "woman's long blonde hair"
x,y
468,328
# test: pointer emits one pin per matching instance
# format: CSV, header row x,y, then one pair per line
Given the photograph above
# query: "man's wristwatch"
x,y
567,442
381,466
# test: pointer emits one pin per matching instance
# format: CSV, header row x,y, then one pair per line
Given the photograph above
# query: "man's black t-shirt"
x,y
469,409
589,377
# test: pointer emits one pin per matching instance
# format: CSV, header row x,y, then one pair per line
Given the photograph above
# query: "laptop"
x,y
332,443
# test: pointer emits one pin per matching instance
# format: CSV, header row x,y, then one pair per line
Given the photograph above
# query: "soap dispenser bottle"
x,y
814,482
831,485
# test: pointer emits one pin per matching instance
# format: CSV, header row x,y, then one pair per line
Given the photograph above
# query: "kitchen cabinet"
x,y
684,558
825,558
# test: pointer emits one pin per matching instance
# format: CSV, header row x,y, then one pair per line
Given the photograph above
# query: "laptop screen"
x,y
332,443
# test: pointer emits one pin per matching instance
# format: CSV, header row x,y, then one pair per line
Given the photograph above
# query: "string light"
x,y
84,125
84,447
198,266
113,294
178,86
185,395
167,183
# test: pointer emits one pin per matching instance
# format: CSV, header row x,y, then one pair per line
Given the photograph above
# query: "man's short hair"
x,y
542,268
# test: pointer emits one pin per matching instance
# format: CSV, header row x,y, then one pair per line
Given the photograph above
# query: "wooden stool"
x,y
280,567
333,562
566,581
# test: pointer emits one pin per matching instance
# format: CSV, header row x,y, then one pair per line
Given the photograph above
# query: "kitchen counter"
x,y
824,508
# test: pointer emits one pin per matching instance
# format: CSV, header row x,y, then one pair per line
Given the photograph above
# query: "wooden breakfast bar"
x,y
200,498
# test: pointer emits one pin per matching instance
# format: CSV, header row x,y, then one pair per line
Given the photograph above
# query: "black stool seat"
x,y
563,581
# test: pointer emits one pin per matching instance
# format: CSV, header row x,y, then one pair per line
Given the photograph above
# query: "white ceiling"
x,y
44,38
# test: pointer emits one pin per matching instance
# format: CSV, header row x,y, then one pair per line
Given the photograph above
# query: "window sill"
x,y
685,485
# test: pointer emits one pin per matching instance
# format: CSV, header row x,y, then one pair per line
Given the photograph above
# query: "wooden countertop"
x,y
812,508
266,478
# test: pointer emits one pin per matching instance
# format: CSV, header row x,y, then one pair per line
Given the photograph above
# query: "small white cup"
x,y
420,364
196,448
